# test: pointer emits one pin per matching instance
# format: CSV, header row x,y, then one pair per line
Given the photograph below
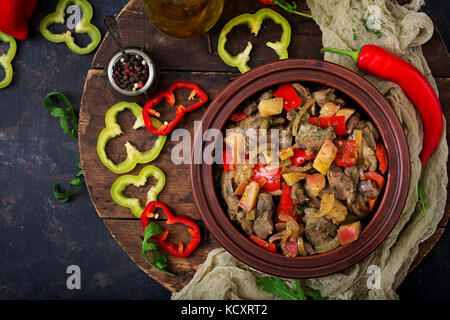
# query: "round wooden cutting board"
x,y
193,60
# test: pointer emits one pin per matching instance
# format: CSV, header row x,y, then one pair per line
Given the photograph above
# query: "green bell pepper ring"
x,y
254,22
140,180
83,26
113,129
6,59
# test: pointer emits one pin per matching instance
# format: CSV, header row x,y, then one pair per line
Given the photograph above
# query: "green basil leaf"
x,y
67,118
75,184
277,287
159,260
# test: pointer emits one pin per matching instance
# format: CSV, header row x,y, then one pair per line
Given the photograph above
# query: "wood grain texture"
x,y
189,60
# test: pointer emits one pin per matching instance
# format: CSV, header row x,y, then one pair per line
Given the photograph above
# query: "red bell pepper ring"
x,y
169,96
346,154
263,244
376,177
238,116
301,156
272,177
180,250
291,100
286,205
381,157
337,122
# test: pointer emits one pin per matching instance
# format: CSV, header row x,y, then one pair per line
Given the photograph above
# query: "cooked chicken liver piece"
x,y
319,230
310,137
263,224
368,188
341,184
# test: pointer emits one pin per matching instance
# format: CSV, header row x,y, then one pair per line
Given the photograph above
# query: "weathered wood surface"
x,y
189,60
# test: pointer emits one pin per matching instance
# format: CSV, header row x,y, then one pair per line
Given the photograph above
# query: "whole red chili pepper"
x,y
180,250
169,96
380,63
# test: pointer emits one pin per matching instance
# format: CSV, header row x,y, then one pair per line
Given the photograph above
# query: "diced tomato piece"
x,y
382,159
376,177
238,116
337,122
346,154
272,177
291,100
263,243
301,156
349,232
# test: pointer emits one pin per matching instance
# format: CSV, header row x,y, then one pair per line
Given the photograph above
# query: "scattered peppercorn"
x,y
131,75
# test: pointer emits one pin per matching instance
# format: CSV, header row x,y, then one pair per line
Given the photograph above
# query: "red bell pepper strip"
x,y
180,250
267,2
272,177
263,244
372,202
291,100
346,154
383,64
227,158
300,156
238,116
338,123
169,96
381,157
286,205
376,177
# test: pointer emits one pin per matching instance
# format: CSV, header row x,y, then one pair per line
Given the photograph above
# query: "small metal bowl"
x,y
152,74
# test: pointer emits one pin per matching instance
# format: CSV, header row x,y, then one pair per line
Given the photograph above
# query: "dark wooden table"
x,y
40,238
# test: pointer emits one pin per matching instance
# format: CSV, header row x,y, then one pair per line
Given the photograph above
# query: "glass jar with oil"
x,y
184,18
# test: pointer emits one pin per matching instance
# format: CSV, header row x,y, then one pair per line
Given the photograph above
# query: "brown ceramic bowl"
x,y
207,197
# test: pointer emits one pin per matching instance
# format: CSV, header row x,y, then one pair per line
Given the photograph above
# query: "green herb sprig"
x,y
422,203
65,115
159,260
75,184
290,7
277,287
